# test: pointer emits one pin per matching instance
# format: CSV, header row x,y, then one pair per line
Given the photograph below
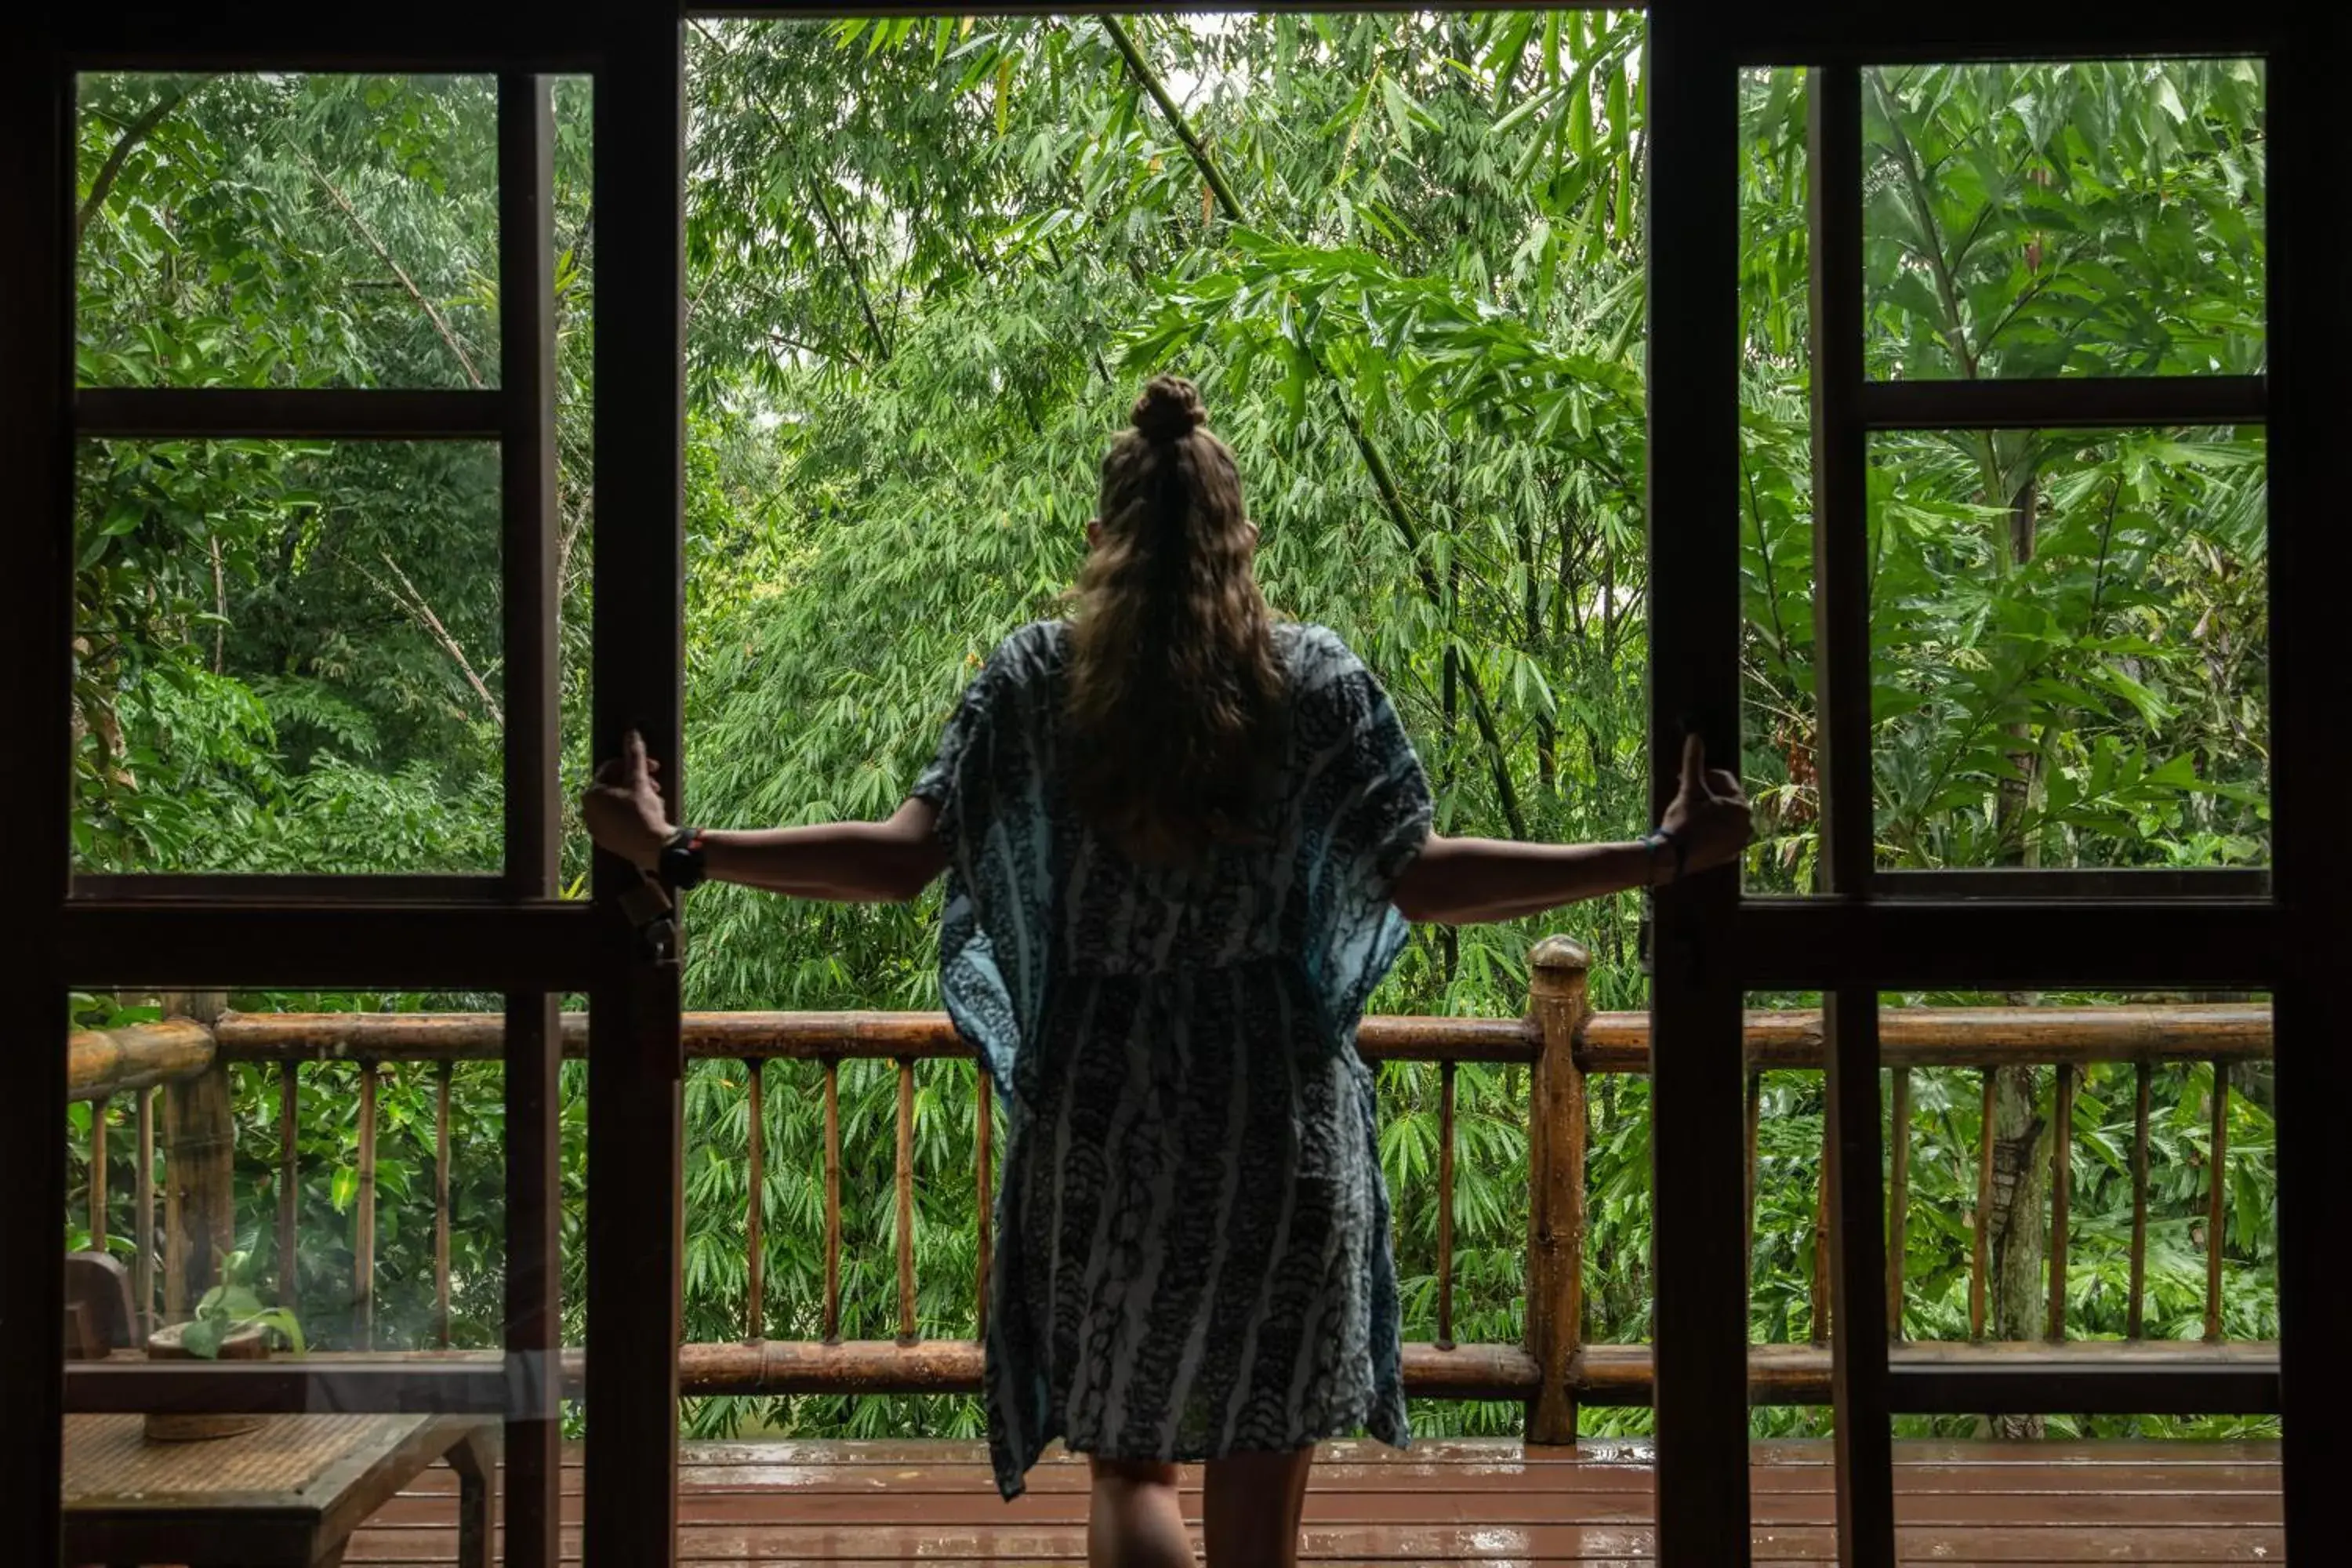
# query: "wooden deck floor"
x,y
786,1503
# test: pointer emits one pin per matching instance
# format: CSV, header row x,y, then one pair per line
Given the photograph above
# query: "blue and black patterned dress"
x,y
1193,1253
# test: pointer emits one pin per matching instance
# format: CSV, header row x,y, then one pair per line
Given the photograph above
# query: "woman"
x,y
1182,841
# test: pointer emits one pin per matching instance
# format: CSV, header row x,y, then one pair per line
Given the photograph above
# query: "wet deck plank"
x,y
786,1503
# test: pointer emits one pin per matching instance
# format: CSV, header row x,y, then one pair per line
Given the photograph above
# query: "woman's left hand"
x,y
622,809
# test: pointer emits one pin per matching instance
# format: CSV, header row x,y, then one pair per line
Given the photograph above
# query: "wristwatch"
x,y
681,864
1661,838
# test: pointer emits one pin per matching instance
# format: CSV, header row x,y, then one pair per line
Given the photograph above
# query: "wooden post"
x,y
2062,1195
289,1155
98,1109
832,1200
2217,1200
143,1218
904,1174
1747,1232
1981,1255
1820,1308
1557,970
363,1227
1898,1198
1445,1204
2134,1321
199,1156
755,1241
441,1204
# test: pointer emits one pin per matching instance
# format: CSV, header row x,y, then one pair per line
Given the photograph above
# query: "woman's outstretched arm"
x,y
1459,881
844,862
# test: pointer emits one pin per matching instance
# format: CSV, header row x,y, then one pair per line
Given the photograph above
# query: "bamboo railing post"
x,y
441,1204
199,1164
2134,1315
1898,1203
904,1174
364,1241
142,1218
985,1203
97,1172
290,1255
1558,970
1822,1328
832,1200
1445,1204
755,1241
1755,1116
1980,1252
2217,1211
2061,1194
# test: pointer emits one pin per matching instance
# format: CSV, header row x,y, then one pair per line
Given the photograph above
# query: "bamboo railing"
x,y
1561,1041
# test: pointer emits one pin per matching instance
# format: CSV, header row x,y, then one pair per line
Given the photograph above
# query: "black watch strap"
x,y
1659,839
682,864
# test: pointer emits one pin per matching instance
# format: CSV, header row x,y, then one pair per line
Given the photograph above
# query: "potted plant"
x,y
231,1323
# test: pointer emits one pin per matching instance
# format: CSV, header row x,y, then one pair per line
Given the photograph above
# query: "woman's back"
x,y
1266,890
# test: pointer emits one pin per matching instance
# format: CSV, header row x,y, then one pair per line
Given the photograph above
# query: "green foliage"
x,y
231,1307
927,261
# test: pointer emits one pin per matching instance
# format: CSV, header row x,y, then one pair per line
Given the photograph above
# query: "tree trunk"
x,y
2018,1225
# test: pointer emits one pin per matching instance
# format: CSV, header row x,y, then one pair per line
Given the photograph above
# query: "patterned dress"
x,y
1193,1253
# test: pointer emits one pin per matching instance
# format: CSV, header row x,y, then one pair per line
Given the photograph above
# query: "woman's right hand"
x,y
1709,817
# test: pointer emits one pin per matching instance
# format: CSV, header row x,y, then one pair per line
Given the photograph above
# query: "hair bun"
x,y
1169,409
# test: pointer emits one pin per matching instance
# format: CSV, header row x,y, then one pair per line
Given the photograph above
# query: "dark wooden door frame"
x,y
1712,946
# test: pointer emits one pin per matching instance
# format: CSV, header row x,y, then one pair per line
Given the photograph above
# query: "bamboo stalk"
x,y
2217,1211
2134,1324
288,1194
441,1206
143,1202
755,1249
1898,1206
832,1203
363,1245
98,1113
1980,1253
904,1174
2061,1195
1445,1205
984,1201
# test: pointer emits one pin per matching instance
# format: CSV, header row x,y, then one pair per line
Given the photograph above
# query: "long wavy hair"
x,y
1175,693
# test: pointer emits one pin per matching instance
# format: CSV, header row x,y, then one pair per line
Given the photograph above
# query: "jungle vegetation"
x,y
928,261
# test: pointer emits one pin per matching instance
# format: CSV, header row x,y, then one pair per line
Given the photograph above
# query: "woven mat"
x,y
109,1459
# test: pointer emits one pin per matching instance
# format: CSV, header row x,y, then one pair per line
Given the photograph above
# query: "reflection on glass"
x,y
326,1169
2043,220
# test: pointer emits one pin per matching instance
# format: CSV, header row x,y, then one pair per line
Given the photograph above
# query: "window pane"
x,y
2073,219
2070,650
288,658
287,230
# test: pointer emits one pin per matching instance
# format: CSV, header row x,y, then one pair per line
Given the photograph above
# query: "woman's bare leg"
x,y
1134,1520
1251,1512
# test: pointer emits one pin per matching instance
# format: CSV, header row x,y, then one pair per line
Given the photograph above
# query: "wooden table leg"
x,y
474,1459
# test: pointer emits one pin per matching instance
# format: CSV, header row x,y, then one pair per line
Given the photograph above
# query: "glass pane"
x,y
1987,1084
288,658
1778,736
280,1175
287,230
2064,219
2070,650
